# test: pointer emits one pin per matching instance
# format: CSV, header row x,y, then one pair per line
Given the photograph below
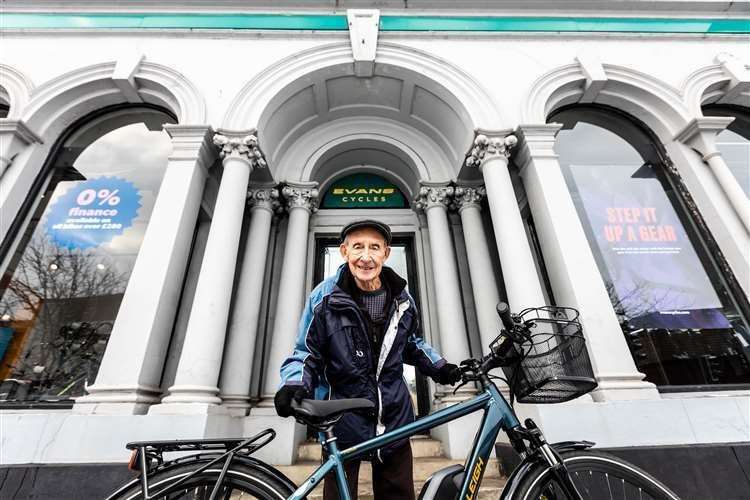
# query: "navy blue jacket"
x,y
333,356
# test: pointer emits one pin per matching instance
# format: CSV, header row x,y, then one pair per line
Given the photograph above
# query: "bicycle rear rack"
x,y
148,455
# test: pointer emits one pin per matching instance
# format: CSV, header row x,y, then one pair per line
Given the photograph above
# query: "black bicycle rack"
x,y
148,456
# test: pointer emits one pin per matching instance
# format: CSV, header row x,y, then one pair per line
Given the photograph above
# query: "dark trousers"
x,y
391,480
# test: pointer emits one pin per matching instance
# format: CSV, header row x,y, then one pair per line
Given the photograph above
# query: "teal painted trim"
x,y
567,25
338,22
174,21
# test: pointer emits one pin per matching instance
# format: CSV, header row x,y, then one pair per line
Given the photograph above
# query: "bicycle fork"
x,y
551,457
557,466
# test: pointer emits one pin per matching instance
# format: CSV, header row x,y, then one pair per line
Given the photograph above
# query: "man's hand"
x,y
448,374
283,398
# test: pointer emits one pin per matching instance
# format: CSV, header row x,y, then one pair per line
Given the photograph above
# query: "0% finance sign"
x,y
93,212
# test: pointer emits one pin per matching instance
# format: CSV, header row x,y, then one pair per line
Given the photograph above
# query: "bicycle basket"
x,y
554,365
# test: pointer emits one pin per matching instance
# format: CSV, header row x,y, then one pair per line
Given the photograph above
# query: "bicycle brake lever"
x,y
461,385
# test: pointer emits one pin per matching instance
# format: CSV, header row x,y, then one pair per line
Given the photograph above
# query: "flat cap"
x,y
374,224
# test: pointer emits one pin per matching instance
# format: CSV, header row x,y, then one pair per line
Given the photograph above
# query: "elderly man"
x,y
356,331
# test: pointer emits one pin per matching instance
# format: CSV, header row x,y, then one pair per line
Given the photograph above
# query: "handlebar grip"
x,y
503,310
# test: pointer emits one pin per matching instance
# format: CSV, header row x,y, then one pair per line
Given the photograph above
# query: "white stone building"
x,y
214,150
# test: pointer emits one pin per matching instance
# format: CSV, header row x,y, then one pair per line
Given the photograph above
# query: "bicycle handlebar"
x,y
503,310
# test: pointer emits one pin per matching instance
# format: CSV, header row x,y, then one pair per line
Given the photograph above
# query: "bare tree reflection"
x,y
60,303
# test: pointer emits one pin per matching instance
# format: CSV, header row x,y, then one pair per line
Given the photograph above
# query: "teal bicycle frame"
x,y
497,415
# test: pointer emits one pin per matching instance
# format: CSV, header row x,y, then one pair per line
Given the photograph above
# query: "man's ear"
x,y
343,250
387,253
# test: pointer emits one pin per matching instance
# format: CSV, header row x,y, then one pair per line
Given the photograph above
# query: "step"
x,y
492,482
421,447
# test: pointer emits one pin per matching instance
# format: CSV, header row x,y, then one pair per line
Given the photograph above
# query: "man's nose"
x,y
366,254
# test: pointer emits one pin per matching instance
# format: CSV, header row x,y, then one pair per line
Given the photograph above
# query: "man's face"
x,y
365,251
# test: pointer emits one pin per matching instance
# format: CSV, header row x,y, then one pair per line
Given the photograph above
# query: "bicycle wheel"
x,y
598,476
240,483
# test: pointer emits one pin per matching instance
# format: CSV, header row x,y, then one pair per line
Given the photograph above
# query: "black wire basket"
x,y
553,365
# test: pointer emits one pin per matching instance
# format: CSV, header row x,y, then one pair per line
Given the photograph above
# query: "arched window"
x,y
63,282
734,142
682,324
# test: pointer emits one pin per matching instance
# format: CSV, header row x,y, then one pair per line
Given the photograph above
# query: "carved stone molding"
x,y
265,197
300,196
486,147
700,134
240,146
468,196
430,196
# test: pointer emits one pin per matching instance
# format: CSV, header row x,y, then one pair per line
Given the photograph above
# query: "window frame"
x,y
709,252
18,231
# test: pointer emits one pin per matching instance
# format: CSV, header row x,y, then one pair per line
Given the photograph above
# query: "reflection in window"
x,y
681,324
60,294
734,142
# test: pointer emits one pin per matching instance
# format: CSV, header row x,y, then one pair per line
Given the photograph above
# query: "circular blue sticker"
x,y
93,212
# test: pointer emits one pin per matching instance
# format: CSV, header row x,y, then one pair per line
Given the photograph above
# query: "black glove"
x,y
283,398
448,374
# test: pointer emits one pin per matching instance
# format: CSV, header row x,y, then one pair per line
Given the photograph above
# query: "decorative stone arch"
x,y
726,82
15,89
247,107
416,156
298,84
61,101
654,102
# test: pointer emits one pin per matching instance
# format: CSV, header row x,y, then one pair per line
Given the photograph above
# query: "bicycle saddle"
x,y
329,409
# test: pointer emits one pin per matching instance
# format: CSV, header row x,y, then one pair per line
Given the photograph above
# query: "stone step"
x,y
423,469
490,489
421,447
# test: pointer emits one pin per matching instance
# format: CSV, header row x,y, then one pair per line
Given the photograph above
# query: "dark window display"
x,y
680,321
64,281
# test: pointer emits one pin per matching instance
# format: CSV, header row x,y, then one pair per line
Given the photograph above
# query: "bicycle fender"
x,y
254,463
511,486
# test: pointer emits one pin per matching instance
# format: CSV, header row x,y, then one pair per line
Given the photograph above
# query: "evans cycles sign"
x,y
93,212
363,191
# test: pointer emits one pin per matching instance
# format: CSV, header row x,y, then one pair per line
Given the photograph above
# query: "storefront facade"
x,y
174,178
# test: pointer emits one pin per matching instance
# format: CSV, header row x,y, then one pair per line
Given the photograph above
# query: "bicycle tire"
x,y
598,476
240,482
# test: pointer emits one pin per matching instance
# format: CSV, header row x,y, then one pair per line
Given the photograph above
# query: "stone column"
x,y
700,135
484,287
236,371
300,202
434,198
490,153
196,380
573,273
130,372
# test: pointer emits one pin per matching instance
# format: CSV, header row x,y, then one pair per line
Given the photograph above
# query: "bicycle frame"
x,y
497,415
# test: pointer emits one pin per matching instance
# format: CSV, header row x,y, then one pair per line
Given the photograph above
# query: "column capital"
x,y
240,145
16,136
264,197
490,144
191,142
465,196
536,141
434,194
700,134
300,195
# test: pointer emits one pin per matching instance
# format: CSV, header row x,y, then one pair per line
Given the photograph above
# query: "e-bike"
x,y
543,357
